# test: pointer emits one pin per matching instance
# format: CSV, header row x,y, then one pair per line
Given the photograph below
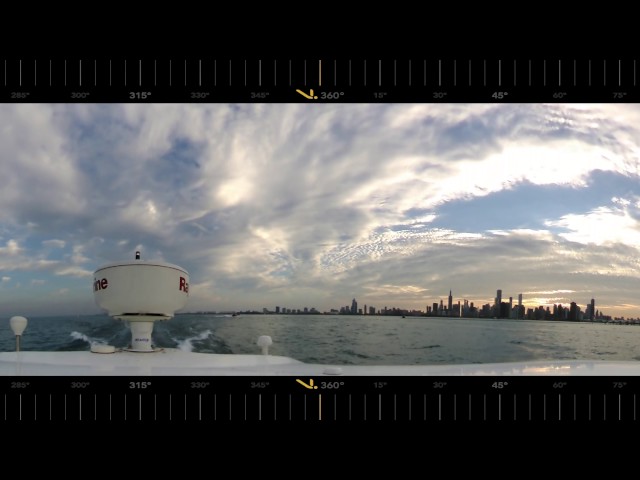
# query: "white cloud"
x,y
54,243
74,272
265,198
547,292
44,181
600,226
78,255
11,249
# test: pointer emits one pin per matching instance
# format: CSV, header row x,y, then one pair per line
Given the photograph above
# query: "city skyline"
x,y
297,204
463,308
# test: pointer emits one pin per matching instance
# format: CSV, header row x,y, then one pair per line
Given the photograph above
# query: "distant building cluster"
x,y
292,311
498,309
503,309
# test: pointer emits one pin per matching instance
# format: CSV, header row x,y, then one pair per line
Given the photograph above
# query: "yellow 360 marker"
x,y
309,96
309,385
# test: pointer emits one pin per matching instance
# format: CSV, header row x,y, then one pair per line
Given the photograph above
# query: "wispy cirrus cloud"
x,y
274,203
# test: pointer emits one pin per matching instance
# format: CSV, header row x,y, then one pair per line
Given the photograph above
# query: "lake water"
x,y
354,340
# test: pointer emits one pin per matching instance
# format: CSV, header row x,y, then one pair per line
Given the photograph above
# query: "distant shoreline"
x,y
617,321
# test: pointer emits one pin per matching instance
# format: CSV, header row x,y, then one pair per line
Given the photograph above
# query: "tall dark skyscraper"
x,y
450,308
519,305
593,309
354,306
573,312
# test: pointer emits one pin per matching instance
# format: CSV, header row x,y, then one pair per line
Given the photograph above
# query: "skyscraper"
x,y
593,309
519,305
354,307
573,311
498,302
450,304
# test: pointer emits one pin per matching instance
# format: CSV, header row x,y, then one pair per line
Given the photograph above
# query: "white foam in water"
x,y
90,341
187,344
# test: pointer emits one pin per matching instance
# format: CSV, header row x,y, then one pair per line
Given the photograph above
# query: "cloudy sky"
x,y
312,205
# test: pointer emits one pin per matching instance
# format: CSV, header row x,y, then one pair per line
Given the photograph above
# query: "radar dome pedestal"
x,y
141,293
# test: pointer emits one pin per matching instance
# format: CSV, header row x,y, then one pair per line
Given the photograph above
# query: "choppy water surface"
x,y
356,340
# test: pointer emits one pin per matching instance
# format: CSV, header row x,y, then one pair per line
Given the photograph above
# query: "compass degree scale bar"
x,y
209,79
407,400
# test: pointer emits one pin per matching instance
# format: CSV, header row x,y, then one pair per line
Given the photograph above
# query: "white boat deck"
x,y
173,362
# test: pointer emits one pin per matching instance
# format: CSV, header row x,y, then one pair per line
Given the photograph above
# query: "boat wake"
x,y
85,338
80,340
186,345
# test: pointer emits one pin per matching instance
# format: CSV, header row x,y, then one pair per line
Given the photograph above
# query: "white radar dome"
x,y
141,288
141,292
